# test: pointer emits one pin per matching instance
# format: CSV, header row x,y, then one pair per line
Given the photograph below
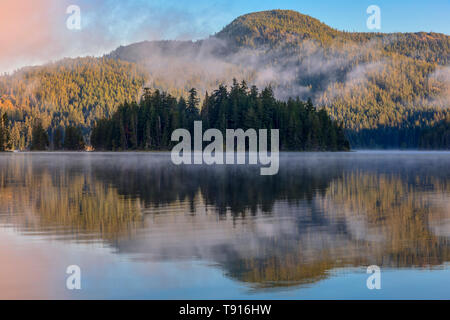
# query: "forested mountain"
x,y
291,28
389,90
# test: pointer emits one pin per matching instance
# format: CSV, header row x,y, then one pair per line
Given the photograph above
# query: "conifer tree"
x,y
5,135
58,137
40,141
73,139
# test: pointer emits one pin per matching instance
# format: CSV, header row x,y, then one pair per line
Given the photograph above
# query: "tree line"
x,y
148,125
70,138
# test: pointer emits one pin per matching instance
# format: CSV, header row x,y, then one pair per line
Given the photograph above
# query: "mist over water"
x,y
324,218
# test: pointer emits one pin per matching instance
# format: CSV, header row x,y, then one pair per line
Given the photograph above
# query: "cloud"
x,y
26,30
439,80
35,32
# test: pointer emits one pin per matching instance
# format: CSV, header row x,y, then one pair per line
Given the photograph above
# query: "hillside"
x,y
276,26
389,90
287,27
69,92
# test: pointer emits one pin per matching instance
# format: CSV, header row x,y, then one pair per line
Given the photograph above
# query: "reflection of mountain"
x,y
321,212
399,210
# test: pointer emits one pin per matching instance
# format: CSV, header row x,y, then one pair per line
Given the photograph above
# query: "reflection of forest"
x,y
47,197
241,190
319,213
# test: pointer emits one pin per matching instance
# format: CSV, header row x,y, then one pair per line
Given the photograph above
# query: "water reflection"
x,y
323,211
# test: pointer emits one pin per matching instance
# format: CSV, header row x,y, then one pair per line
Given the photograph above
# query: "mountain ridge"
x,y
374,83
280,27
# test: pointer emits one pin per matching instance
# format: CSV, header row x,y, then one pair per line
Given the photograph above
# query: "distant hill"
x,y
276,26
387,89
287,27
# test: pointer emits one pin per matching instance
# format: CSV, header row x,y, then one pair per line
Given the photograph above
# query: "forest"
x,y
148,125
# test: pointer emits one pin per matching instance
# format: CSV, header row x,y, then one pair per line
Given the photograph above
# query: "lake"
x,y
140,227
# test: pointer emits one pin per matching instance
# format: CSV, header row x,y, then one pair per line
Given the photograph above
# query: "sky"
x,y
35,31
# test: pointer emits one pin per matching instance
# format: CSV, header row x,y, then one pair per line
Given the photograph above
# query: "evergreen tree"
x,y
40,139
74,139
5,135
192,112
58,138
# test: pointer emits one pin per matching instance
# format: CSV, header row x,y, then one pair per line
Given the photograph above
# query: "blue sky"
x,y
136,20
400,15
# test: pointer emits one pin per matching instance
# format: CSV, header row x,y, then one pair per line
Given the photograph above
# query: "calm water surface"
x,y
142,228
